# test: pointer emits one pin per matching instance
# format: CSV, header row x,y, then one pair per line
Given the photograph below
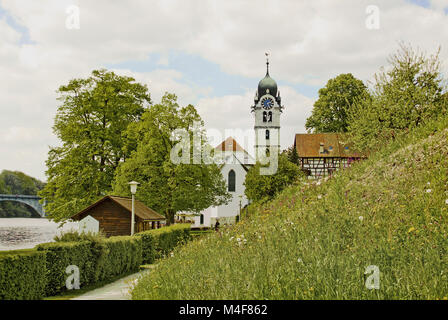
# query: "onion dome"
x,y
267,85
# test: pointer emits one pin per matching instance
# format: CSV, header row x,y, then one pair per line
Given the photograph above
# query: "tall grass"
x,y
315,240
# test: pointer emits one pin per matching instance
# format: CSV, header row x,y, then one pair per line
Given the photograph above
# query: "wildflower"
x,y
428,190
319,197
446,201
318,183
172,254
238,239
299,260
411,229
231,238
361,218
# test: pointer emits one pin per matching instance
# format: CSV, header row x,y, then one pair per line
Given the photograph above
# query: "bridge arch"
x,y
32,201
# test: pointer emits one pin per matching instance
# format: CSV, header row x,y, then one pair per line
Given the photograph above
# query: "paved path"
x,y
118,290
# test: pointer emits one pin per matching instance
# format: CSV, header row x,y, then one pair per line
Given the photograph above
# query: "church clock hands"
x,y
267,103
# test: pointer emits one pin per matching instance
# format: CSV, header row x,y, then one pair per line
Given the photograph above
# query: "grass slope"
x,y
314,241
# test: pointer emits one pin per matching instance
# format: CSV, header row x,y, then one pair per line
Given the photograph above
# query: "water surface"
x,y
24,233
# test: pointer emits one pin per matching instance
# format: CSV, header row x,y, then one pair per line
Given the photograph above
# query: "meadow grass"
x,y
315,239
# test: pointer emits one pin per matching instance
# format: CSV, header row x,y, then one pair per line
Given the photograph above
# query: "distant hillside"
x,y
315,240
14,182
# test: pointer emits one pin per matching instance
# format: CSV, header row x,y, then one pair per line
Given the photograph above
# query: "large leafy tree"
x,y
330,111
406,94
90,121
165,185
263,187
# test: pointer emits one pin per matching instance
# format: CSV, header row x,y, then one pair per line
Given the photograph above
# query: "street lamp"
x,y
133,185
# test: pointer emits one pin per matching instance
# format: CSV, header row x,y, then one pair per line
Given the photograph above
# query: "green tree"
x,y
165,186
15,182
292,155
94,113
330,111
264,187
405,95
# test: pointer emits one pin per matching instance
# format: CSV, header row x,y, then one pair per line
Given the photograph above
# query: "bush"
x,y
124,254
73,236
158,243
60,255
22,275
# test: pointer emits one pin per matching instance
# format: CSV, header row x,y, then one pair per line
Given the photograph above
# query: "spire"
x,y
267,63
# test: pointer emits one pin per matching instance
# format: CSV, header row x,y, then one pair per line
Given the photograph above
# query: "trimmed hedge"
x,y
96,260
60,255
40,272
22,275
158,243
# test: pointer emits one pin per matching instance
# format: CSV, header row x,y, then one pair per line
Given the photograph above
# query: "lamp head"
x,y
133,185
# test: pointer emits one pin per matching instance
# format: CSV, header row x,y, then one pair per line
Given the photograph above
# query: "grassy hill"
x,y
315,240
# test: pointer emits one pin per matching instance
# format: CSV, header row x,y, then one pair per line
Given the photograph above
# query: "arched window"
x,y
232,181
270,116
268,152
265,116
201,219
267,134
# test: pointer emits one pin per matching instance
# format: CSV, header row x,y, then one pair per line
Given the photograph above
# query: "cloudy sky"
x,y
210,53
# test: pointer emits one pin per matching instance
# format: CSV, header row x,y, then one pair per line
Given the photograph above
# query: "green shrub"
x,y
60,255
124,254
158,243
22,275
73,236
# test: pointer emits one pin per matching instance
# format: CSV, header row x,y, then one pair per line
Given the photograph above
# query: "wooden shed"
x,y
321,154
114,216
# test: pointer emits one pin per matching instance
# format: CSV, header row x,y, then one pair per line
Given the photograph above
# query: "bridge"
x,y
32,201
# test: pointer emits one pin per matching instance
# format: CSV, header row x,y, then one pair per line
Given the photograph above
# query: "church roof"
x,y
267,83
309,146
231,149
229,144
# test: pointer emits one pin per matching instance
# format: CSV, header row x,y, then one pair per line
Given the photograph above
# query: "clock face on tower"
x,y
267,103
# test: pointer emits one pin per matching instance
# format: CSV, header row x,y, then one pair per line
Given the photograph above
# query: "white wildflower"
x,y
319,197
446,201
428,190
231,238
238,239
299,260
361,218
318,183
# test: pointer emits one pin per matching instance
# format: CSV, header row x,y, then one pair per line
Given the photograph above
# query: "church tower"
x,y
267,108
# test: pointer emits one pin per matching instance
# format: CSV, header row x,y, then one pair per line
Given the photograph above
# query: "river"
x,y
24,233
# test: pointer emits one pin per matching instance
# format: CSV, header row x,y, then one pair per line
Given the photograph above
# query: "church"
x,y
234,161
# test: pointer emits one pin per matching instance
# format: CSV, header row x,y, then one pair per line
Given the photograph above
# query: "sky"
x,y
209,53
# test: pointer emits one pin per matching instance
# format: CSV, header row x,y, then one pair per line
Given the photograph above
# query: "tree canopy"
x,y
166,186
262,187
15,182
330,111
406,94
90,121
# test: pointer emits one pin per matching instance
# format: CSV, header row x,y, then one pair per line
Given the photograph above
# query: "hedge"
x,y
96,260
60,255
40,272
158,243
22,275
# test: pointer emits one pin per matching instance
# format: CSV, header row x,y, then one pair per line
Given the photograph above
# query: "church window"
x,y
268,152
270,116
201,219
265,116
232,181
267,134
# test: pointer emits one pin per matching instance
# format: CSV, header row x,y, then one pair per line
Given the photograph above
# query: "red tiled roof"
x,y
308,146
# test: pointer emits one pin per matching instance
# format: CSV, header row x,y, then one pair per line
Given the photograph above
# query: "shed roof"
x,y
141,211
308,146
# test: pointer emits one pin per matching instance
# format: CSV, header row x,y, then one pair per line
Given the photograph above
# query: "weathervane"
x,y
267,62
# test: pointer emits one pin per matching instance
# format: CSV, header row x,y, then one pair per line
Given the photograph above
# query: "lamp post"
x,y
133,185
